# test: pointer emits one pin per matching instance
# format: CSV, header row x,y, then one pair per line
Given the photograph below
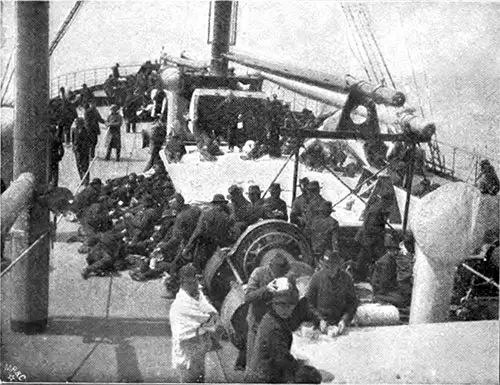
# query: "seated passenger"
x,y
331,294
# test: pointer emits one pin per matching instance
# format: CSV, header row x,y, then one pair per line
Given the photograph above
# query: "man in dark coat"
x,y
297,214
271,360
87,196
141,224
314,204
114,123
274,204
106,254
392,274
56,155
331,294
132,103
254,194
371,236
487,181
214,229
158,135
92,119
66,114
322,232
241,210
258,293
81,148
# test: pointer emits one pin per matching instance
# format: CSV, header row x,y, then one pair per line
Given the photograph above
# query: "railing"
x,y
91,77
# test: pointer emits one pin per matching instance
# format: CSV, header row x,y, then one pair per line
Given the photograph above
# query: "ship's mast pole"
x,y
29,311
221,37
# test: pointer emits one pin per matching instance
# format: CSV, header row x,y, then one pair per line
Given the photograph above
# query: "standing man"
x,y
315,201
192,319
158,135
67,115
81,148
114,123
241,210
275,120
331,294
132,104
322,232
92,119
214,229
56,155
299,205
259,292
371,236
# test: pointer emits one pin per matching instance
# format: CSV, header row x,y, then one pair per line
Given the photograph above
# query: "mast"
x,y
30,296
221,37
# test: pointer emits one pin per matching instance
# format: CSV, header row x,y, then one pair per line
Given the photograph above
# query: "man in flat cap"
x,y
241,209
193,319
254,194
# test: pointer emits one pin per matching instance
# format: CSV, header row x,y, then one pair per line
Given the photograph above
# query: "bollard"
x,y
448,225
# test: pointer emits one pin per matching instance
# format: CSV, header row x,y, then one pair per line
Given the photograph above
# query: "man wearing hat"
x,y
322,232
297,214
371,235
259,291
114,123
392,273
241,210
106,254
193,321
254,194
331,294
214,229
271,360
315,201
81,148
276,205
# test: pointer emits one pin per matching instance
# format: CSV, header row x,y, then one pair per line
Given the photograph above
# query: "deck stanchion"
x,y
409,183
30,294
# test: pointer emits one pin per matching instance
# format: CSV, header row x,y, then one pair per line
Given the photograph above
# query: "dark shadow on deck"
x,y
111,329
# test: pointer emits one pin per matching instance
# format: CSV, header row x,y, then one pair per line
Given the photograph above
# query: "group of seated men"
x,y
142,223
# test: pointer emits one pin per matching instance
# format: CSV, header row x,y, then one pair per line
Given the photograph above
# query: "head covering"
x,y
96,182
313,185
219,198
304,181
389,242
187,272
254,189
114,107
275,187
280,262
326,206
234,190
290,296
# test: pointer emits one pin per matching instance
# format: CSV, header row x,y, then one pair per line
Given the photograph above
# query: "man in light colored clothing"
x,y
192,319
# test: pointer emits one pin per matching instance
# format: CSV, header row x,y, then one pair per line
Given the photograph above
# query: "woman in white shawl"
x,y
192,319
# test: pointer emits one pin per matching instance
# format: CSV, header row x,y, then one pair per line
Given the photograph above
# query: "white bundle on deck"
x,y
375,314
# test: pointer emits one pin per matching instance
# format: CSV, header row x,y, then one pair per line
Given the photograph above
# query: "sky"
x,y
444,56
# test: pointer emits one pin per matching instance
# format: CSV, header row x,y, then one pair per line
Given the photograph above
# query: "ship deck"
x,y
114,329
